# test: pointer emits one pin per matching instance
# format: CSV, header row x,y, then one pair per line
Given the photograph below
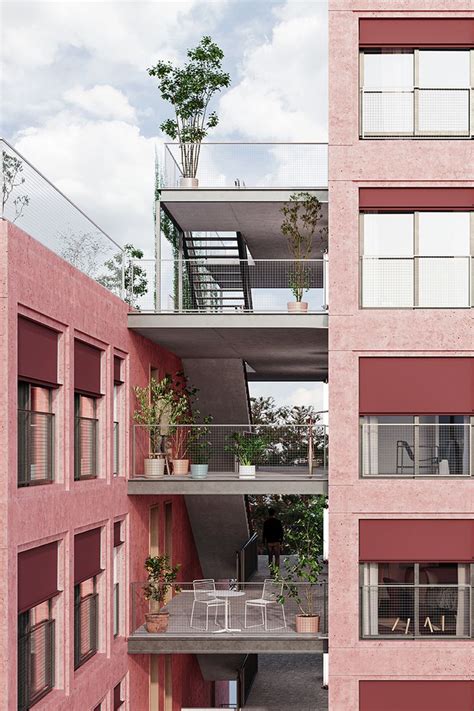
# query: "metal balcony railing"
x,y
86,629
85,447
417,282
36,664
243,619
415,611
415,450
40,209
35,447
415,113
251,165
228,285
286,451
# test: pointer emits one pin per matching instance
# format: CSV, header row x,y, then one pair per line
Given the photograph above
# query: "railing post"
x,y
180,272
157,295
325,281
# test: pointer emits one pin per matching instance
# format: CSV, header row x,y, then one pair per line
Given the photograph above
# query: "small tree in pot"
x,y
190,89
161,576
301,216
247,449
154,410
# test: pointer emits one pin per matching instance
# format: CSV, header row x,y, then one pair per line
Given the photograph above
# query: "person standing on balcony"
x,y
273,537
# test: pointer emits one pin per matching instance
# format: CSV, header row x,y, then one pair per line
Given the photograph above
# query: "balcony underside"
x,y
228,483
255,213
232,643
288,347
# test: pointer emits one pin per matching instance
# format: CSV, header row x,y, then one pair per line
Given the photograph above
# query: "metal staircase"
x,y
217,272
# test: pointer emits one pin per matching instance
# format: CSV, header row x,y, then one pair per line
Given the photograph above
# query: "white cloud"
x,y
314,394
102,101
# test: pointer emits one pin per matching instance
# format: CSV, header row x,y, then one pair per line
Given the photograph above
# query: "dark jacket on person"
x,y
272,531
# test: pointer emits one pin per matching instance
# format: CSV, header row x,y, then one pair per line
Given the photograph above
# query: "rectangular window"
x,y
35,434
118,696
85,437
85,621
118,577
116,437
36,661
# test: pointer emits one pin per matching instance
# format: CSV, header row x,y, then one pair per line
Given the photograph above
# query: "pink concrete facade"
x,y
36,283
353,333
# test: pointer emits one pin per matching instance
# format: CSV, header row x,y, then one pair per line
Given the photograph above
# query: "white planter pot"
x,y
154,468
246,471
297,307
199,471
188,182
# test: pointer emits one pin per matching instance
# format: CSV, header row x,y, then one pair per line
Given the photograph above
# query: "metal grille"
x,y
85,629
44,212
36,659
416,282
416,611
285,451
247,619
35,447
85,448
232,285
416,113
253,165
415,450
116,462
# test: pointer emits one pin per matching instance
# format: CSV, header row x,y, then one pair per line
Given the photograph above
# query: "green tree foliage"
x,y
135,280
12,178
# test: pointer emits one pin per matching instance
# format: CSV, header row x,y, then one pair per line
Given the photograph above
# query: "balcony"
x,y
394,611
36,666
35,447
245,631
414,449
287,459
251,165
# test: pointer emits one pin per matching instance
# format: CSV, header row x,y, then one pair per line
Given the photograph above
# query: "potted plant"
x,y
189,89
201,450
304,540
247,449
153,412
301,216
161,576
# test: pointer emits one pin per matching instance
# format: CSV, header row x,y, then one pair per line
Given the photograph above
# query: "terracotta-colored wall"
x,y
355,333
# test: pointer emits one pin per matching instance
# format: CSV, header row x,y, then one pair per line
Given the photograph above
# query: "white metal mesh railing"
x,y
416,611
416,282
420,113
253,165
415,450
228,285
35,205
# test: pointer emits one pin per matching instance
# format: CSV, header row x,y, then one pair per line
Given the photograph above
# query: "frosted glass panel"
x,y
443,282
444,69
388,71
444,233
388,234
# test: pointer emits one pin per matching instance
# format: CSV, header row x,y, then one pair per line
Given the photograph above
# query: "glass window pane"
x,y
444,69
388,70
388,234
444,233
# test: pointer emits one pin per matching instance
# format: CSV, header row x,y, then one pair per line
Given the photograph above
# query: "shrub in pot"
x,y
201,450
161,576
247,448
153,411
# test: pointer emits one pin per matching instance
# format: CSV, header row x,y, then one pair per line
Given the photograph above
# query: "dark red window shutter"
x,y
37,575
416,386
86,555
117,697
417,32
37,353
118,377
117,534
411,695
86,369
416,540
403,199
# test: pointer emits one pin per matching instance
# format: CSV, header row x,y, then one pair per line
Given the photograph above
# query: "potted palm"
x,y
247,449
154,408
301,216
189,89
161,576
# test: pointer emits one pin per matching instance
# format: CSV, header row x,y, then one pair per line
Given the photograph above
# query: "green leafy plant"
x,y
135,281
199,443
246,447
161,576
190,89
12,169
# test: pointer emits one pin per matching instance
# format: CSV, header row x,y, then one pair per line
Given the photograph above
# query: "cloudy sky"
x,y
78,103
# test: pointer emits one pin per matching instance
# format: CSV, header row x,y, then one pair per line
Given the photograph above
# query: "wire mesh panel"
x,y
415,450
36,665
85,628
443,112
387,282
35,205
252,165
443,282
85,447
416,611
387,113
35,447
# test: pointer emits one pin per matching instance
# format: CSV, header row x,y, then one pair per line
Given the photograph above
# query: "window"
x,y
118,696
118,405
35,434
35,654
85,621
118,577
85,437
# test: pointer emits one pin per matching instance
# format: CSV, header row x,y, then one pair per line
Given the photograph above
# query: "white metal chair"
x,y
204,594
271,594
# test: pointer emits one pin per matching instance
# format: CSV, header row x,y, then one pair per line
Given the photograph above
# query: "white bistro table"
x,y
226,595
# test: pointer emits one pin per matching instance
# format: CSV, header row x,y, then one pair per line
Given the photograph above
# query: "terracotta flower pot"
x,y
180,466
156,622
297,307
306,624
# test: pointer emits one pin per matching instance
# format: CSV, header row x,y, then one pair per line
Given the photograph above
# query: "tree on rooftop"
x,y
135,281
12,178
